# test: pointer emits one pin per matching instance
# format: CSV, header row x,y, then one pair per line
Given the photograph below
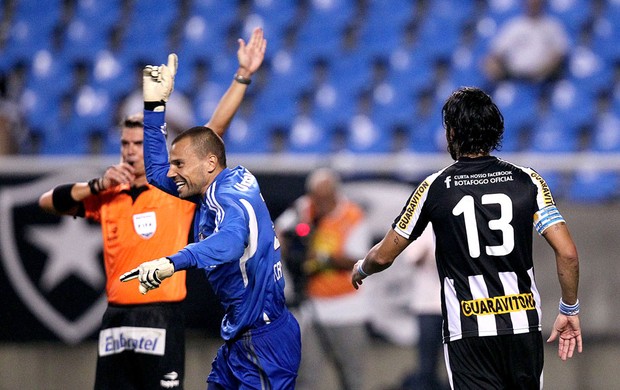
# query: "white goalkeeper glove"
x,y
150,274
158,82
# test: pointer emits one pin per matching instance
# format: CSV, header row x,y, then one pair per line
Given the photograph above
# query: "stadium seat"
x,y
365,134
248,136
309,135
517,101
594,186
552,134
573,105
606,133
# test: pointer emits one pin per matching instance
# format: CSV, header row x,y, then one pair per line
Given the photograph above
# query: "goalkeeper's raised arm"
x,y
158,84
250,58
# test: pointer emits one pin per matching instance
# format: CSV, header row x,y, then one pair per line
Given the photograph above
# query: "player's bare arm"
x,y
250,58
380,257
567,327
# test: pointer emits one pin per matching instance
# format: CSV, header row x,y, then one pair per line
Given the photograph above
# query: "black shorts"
x,y
141,347
496,362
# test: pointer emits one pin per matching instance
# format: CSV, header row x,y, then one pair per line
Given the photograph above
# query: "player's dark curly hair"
x,y
474,125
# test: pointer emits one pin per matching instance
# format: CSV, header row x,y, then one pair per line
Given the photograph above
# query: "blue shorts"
x,y
264,358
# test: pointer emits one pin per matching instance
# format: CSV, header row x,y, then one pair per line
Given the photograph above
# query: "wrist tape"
x,y
151,106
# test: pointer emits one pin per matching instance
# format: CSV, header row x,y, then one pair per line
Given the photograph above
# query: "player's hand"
x,y
158,81
568,329
356,275
251,56
150,274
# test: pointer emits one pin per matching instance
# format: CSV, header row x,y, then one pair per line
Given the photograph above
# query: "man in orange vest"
x,y
333,232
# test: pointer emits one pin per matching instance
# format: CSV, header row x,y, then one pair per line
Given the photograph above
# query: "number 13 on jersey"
x,y
466,207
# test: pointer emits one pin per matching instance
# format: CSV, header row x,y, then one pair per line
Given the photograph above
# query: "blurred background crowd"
x,y
357,76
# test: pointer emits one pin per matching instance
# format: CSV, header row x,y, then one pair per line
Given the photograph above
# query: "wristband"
x,y
243,80
95,185
569,310
62,199
360,270
151,106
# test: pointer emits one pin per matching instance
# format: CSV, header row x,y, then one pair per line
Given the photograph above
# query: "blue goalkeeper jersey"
x,y
235,241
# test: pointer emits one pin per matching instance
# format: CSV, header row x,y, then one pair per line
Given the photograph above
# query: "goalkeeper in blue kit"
x,y
235,244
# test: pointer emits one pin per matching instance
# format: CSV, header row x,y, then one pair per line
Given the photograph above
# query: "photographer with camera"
x,y
322,234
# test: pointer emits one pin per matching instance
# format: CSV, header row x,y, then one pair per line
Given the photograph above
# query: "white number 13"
x,y
466,207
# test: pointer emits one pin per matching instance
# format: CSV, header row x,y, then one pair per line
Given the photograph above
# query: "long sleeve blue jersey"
x,y
235,241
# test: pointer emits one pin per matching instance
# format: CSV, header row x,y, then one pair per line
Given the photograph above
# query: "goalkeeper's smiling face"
x,y
192,174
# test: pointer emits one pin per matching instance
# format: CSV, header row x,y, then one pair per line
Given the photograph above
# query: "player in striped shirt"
x,y
482,210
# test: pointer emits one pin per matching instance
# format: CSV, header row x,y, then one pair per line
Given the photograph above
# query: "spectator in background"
x,y
12,126
532,47
322,234
426,305
139,222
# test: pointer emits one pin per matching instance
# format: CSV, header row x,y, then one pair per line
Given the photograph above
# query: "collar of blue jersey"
x,y
219,176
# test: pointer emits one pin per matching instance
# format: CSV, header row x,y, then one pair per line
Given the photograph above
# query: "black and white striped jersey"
x,y
483,210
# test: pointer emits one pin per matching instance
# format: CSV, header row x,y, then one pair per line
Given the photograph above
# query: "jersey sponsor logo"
x,y
546,192
407,216
150,341
498,305
171,380
145,224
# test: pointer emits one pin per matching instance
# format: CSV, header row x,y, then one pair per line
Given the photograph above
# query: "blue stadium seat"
x,y
553,134
309,135
93,110
25,37
606,133
427,135
572,104
83,40
517,101
219,13
364,134
502,10
247,135
104,13
112,72
594,186
62,136
573,14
